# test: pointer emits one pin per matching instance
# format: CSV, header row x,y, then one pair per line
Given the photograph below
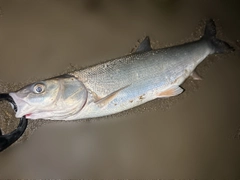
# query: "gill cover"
x,y
55,98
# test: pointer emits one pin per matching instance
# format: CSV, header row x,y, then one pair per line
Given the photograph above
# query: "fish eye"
x,y
39,88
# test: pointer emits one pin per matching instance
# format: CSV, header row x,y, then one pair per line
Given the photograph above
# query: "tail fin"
x,y
217,45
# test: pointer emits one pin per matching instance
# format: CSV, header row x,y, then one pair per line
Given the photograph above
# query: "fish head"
x,y
55,98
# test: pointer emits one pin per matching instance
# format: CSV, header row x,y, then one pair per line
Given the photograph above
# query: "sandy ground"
x,y
193,136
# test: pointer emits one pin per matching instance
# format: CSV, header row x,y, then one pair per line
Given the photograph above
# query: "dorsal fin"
x,y
145,45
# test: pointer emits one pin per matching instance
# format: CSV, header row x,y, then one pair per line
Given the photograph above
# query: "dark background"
x,y
193,136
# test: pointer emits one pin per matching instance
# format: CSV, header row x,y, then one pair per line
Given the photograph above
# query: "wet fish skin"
x,y
122,83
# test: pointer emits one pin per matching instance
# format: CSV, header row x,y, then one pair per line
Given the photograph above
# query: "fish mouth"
x,y
17,104
21,107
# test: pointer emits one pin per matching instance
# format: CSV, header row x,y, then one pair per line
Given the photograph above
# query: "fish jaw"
x,y
31,112
23,107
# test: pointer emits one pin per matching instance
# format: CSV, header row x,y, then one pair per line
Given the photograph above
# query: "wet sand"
x,y
193,136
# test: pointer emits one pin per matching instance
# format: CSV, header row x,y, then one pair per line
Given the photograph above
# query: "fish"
x,y
118,84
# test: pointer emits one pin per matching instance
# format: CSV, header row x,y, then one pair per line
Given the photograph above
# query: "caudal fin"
x,y
217,45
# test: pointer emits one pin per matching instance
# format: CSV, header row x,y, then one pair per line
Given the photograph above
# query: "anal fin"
x,y
195,76
172,91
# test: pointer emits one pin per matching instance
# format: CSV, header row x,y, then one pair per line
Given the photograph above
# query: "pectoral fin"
x,y
107,99
172,91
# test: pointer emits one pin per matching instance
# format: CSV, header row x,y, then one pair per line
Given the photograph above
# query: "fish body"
x,y
118,84
139,78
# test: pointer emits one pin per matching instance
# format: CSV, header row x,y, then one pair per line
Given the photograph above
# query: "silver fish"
x,y
118,84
